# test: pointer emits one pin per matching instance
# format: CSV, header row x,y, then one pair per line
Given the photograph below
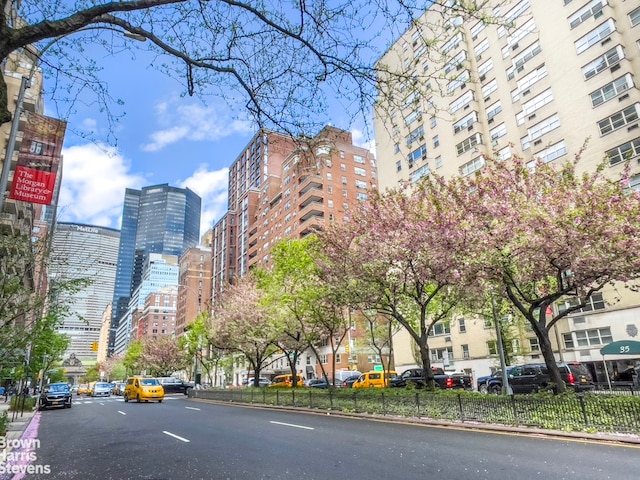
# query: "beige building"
x,y
562,73
194,289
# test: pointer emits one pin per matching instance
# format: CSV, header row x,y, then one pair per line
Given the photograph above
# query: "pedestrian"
x,y
5,392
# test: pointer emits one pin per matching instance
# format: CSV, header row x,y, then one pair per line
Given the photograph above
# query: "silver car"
x,y
101,389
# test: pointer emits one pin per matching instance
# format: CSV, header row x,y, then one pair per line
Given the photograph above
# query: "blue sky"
x,y
162,138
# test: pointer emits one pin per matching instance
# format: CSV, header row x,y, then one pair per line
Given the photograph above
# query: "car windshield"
x,y
149,381
58,388
103,385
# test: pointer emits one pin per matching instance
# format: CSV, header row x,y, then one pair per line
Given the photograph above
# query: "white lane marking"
x,y
101,403
121,412
175,436
292,425
192,408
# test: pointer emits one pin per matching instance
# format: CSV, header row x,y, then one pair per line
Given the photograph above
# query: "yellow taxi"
x,y
374,379
143,389
83,389
286,381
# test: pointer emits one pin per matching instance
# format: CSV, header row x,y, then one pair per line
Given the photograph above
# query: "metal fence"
x,y
581,412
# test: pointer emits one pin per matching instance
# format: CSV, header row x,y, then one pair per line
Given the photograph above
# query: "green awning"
x,y
622,347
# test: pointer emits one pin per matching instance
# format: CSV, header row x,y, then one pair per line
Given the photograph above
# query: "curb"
x,y
619,438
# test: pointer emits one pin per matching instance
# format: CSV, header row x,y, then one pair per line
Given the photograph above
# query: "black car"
x,y
349,381
534,377
174,385
55,395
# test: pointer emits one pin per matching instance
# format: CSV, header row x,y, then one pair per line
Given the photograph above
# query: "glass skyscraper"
x,y
156,219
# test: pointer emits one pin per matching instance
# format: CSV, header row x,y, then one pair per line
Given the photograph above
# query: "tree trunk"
x,y
427,373
550,360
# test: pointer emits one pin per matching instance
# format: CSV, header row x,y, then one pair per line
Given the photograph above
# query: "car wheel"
x,y
159,401
483,388
126,399
495,389
42,407
68,405
138,397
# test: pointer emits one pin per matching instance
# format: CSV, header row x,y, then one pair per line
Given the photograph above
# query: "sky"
x,y
164,137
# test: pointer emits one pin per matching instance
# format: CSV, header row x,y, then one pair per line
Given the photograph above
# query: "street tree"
x,y
401,254
132,359
240,323
196,343
278,60
550,233
162,356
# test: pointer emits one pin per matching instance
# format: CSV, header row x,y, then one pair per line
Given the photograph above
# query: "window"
x,y
534,345
461,102
423,171
416,134
634,17
396,148
568,340
603,62
465,122
452,44
329,177
417,154
527,81
551,153
398,166
623,152
528,27
441,328
455,62
476,29
436,141
360,171
586,12
434,122
360,184
438,354
361,196
458,82
594,336
489,88
485,67
516,11
439,161
468,143
595,35
480,48
619,120
595,302
493,110
611,90
343,167
323,150
330,203
539,129
462,328
534,104
499,131
413,116
521,59
472,166
492,346
504,153
359,159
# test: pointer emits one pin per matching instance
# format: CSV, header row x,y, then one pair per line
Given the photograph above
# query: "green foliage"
x,y
132,358
4,423
20,403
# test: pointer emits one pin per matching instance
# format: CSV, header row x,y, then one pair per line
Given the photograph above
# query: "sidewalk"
x,y
18,421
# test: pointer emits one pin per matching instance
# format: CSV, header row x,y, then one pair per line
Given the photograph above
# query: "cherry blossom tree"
x,y
547,233
162,356
241,324
402,254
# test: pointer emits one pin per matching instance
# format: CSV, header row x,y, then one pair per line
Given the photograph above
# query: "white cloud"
x,y
193,122
94,179
212,187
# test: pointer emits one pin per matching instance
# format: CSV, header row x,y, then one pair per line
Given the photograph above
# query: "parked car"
x,y
534,377
342,375
262,382
318,383
143,389
173,385
101,389
375,379
55,395
285,381
414,376
349,381
484,382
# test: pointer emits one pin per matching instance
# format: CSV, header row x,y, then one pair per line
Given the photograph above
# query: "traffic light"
x,y
347,348
94,346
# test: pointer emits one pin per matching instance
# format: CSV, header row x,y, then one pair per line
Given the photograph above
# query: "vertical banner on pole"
x,y
35,176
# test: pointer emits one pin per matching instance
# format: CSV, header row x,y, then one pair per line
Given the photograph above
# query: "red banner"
x,y
35,176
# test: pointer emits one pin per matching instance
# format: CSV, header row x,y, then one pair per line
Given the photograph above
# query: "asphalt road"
x,y
185,439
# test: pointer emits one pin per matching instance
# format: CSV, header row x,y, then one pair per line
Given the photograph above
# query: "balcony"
x,y
311,225
312,209
306,182
311,195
